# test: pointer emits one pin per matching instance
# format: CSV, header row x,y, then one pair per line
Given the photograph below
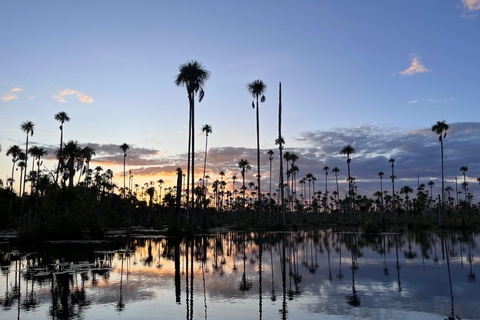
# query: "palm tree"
x,y
257,89
14,151
464,169
72,151
160,184
193,76
270,158
348,150
326,168
88,153
124,148
27,127
61,117
380,175
431,184
336,171
207,129
392,161
441,128
244,165
37,153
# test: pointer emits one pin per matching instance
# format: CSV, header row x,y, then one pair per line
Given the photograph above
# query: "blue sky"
x,y
377,70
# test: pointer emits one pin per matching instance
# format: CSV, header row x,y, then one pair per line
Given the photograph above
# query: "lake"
x,y
327,274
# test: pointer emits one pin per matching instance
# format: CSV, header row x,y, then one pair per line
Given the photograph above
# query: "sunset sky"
x,y
376,75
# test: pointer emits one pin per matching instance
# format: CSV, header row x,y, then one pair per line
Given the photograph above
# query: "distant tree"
x,y
125,147
14,151
61,117
27,127
440,128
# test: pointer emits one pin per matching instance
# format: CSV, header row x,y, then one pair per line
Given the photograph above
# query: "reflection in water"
x,y
136,275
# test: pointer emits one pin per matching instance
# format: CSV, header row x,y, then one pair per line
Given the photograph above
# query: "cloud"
x,y
31,98
8,97
416,154
68,92
413,101
415,67
471,5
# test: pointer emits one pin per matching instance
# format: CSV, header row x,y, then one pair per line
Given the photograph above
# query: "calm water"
x,y
237,275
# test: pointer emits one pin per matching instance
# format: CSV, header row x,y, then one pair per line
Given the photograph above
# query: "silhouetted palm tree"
x,y
464,169
441,128
61,117
348,150
270,158
72,151
124,148
392,161
207,129
27,127
257,89
88,153
336,171
244,165
380,175
193,76
14,151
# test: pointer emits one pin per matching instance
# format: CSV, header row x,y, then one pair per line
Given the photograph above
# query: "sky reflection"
x,y
242,275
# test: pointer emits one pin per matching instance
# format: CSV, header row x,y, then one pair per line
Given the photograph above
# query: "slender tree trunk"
x,y
188,154
26,160
443,183
60,154
124,157
280,147
193,158
258,169
13,172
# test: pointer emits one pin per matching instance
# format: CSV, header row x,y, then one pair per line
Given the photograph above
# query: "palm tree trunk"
x,y
60,154
188,154
193,156
26,160
280,147
258,170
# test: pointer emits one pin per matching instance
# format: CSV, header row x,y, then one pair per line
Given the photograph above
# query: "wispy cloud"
x,y
61,96
413,101
471,5
9,96
415,67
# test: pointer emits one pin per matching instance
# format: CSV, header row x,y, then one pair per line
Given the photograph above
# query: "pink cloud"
x,y
8,97
471,5
67,92
415,67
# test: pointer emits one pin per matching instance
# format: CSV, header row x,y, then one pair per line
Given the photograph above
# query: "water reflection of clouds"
x,y
419,288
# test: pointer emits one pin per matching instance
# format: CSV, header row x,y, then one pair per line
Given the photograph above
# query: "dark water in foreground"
x,y
244,275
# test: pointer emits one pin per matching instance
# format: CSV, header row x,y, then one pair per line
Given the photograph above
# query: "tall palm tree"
x,y
160,184
257,89
326,168
441,128
124,148
62,117
244,165
464,169
336,171
27,127
207,129
380,175
392,161
193,76
270,158
14,151
348,150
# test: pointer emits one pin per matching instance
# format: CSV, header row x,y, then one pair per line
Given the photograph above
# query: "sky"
x,y
376,75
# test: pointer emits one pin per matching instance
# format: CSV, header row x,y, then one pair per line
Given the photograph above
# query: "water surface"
x,y
245,275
